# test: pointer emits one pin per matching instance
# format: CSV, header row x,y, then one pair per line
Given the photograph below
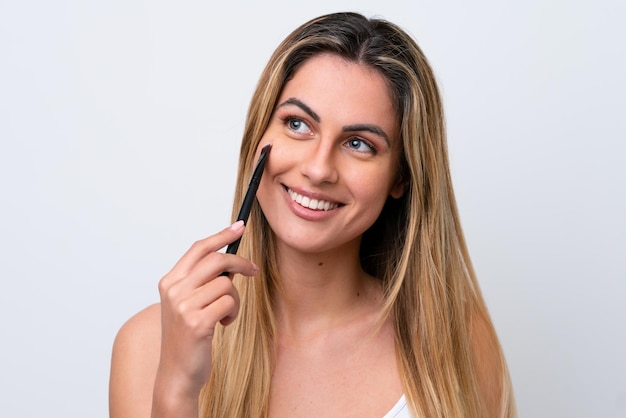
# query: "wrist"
x,y
174,400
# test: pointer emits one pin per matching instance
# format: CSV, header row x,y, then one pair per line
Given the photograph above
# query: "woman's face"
x,y
334,155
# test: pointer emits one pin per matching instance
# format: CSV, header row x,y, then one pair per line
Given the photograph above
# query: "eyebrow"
x,y
376,130
301,105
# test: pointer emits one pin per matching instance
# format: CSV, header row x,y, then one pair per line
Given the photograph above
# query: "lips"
x,y
314,204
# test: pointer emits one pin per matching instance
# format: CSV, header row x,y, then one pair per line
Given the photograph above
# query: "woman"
x,y
364,302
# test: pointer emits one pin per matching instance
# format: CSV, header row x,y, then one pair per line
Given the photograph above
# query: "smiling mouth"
x,y
309,203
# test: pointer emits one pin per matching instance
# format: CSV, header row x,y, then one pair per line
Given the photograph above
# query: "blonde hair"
x,y
416,247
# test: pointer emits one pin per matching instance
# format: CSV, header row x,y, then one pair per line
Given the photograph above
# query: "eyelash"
x,y
287,120
372,149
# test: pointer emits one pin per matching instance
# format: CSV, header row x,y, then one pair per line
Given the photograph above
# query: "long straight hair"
x,y
416,246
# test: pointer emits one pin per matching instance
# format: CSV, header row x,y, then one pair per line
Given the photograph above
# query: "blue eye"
x,y
360,145
297,125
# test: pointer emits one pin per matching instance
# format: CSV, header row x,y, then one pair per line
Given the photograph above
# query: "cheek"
x,y
263,192
269,187
282,158
373,185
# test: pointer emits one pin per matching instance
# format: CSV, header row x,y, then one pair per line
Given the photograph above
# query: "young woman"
x,y
362,301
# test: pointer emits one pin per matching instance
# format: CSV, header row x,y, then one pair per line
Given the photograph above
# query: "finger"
x,y
209,268
209,304
226,308
200,249
209,245
215,264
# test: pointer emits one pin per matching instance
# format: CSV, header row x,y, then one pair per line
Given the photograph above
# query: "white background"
x,y
120,123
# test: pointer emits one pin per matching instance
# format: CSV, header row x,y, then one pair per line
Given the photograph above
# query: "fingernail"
x,y
255,267
237,226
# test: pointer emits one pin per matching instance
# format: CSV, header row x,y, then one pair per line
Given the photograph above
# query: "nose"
x,y
319,164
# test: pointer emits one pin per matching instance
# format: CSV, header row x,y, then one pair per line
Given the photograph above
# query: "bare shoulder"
x,y
134,364
491,370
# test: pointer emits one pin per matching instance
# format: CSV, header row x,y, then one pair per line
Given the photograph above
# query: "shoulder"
x,y
490,366
134,362
143,326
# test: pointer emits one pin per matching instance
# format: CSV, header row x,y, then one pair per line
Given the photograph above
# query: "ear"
x,y
399,187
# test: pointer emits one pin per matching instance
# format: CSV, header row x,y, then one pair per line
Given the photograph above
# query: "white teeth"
x,y
311,203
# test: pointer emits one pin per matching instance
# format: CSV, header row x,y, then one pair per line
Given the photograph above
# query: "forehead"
x,y
343,90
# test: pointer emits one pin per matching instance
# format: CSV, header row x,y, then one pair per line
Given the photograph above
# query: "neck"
x,y
323,290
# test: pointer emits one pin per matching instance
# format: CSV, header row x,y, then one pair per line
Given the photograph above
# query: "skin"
x,y
327,118
334,139
160,376
317,154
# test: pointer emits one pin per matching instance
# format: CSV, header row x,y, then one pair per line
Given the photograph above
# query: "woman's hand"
x,y
195,296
